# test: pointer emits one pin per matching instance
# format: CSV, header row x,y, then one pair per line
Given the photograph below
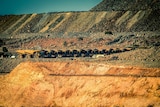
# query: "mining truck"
x,y
4,53
28,53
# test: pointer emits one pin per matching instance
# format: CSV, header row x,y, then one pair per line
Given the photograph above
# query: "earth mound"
x,y
79,84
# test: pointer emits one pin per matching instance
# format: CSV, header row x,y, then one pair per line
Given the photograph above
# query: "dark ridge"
x,y
152,22
104,75
132,5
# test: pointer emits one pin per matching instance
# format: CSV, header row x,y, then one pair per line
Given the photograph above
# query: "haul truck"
x,y
4,53
28,53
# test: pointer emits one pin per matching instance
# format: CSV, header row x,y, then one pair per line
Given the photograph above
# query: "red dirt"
x,y
31,84
71,43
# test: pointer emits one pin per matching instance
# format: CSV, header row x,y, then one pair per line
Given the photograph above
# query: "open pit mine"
x,y
108,56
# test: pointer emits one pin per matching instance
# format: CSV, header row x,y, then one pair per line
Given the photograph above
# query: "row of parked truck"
x,y
60,53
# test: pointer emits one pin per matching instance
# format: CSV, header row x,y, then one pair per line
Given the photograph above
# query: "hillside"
x,y
117,21
109,15
132,5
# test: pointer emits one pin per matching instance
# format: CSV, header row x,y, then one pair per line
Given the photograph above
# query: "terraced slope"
x,y
8,21
143,20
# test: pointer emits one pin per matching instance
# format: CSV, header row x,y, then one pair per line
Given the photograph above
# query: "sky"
x,y
44,6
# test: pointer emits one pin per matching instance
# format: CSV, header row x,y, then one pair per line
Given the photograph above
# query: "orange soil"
x,y
72,43
64,84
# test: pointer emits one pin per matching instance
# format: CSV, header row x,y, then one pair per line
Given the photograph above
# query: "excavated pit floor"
x,y
80,84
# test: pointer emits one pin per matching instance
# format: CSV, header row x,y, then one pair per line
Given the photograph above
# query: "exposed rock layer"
x,y
118,21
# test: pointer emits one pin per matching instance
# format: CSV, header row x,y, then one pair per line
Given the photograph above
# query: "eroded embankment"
x,y
79,84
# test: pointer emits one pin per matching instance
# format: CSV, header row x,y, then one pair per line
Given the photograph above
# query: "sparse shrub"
x,y
1,42
135,46
5,49
108,32
156,44
116,40
53,104
99,39
150,105
80,39
128,94
125,94
65,43
114,58
158,87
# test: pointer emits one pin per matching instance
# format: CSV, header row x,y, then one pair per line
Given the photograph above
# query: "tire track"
x,y
104,75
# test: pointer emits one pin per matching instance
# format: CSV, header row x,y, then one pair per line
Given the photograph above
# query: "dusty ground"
x,y
80,84
131,80
145,54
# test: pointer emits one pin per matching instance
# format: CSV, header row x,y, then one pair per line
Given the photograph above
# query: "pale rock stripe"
x,y
124,18
11,27
137,17
100,16
95,18
80,22
111,14
45,28
28,20
67,15
42,21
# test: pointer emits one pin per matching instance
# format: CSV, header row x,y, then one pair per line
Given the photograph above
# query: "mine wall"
x,y
78,84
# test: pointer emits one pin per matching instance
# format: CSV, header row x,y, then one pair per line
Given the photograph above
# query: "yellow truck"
x,y
28,53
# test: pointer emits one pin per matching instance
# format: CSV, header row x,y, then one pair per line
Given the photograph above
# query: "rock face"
x,y
119,16
132,5
118,21
79,84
